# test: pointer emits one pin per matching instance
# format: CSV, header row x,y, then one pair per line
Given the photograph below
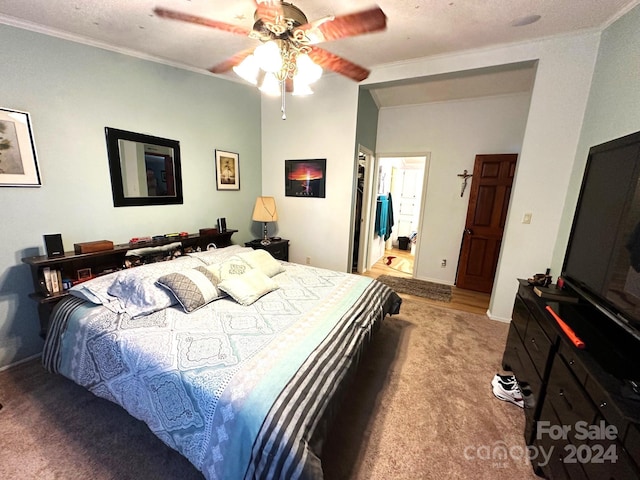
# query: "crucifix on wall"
x,y
465,176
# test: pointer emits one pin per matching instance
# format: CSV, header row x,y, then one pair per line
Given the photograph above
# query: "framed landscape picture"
x,y
227,170
305,178
18,162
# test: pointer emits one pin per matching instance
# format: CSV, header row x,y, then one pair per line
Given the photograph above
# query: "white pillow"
x,y
263,261
96,289
231,267
209,257
137,291
249,287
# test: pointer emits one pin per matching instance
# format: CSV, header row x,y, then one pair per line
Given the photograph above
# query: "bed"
x,y
232,358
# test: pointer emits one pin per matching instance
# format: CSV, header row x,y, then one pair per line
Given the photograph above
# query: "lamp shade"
x,y
265,210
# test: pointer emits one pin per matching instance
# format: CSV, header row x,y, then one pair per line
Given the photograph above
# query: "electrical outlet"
x,y
308,261
526,218
443,263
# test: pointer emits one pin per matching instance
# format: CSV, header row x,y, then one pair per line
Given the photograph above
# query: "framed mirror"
x,y
145,170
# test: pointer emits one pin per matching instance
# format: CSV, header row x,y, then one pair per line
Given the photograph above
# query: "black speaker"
x,y
53,244
222,225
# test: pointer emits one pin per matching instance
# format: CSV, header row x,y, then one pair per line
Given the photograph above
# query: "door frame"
x,y
365,227
468,235
423,194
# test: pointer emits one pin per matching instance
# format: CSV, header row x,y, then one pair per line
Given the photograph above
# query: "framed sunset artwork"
x,y
305,178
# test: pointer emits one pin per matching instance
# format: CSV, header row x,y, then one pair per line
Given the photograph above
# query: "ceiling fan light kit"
x,y
277,61
248,69
270,85
269,56
288,59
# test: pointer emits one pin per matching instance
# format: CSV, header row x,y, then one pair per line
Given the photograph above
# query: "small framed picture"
x,y
227,170
84,274
18,161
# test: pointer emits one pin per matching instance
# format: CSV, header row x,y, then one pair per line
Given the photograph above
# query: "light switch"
x,y
526,218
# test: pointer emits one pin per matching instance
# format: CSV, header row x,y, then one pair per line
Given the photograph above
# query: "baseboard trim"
x,y
15,364
497,319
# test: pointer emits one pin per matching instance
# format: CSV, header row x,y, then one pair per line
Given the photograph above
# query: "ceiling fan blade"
x,y
231,62
349,25
185,17
338,64
268,10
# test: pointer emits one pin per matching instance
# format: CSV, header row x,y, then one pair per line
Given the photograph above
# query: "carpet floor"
x,y
420,407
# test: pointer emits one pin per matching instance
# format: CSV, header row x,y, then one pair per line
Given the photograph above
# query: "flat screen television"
x,y
602,260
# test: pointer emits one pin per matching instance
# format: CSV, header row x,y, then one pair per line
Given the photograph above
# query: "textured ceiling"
x,y
416,28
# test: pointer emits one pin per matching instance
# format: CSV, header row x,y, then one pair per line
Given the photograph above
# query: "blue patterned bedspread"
x,y
237,390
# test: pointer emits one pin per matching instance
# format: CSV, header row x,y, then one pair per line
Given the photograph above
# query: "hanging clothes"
x,y
389,219
384,216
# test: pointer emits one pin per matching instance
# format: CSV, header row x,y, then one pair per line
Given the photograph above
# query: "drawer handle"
x,y
571,362
603,404
533,342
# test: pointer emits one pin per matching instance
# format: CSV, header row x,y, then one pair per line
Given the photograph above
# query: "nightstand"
x,y
279,249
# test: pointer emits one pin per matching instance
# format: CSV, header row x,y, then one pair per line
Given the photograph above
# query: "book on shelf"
x,y
52,281
46,273
55,287
553,293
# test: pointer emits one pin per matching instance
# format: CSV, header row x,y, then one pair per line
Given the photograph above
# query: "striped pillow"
x,y
193,288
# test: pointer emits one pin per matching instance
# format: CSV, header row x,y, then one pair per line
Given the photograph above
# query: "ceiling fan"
x,y
288,59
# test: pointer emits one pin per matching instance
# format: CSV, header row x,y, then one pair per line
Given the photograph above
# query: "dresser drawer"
x,y
517,360
606,458
570,401
632,443
520,317
553,451
279,252
568,353
538,345
511,356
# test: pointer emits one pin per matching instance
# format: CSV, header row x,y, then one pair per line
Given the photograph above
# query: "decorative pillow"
x,y
263,261
193,288
231,267
210,257
249,287
137,291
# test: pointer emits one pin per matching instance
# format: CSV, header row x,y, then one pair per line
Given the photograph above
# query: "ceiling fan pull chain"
x,y
282,96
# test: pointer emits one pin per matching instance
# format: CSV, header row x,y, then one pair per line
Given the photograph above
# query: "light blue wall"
x,y
72,92
613,109
367,126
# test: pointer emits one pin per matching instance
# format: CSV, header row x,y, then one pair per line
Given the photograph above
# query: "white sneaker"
x,y
503,379
508,392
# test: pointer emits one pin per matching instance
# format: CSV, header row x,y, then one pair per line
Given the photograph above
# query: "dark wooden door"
x,y
486,217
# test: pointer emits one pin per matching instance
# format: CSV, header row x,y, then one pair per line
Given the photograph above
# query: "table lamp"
x,y
265,211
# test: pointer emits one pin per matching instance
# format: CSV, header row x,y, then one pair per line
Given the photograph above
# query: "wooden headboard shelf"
x,y
102,262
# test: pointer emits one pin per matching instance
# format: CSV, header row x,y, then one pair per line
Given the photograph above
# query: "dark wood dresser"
x,y
580,404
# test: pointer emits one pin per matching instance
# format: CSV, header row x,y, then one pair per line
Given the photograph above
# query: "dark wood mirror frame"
x,y
114,138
